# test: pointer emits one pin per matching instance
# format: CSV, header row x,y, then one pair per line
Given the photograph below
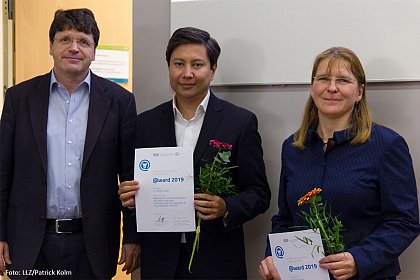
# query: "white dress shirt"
x,y
187,131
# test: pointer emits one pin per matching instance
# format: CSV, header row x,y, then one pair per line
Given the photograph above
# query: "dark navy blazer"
x,y
370,186
222,251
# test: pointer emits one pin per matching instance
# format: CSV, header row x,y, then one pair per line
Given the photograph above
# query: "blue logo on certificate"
x,y
279,252
144,165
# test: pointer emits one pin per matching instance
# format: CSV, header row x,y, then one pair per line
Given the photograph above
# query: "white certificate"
x,y
296,255
165,200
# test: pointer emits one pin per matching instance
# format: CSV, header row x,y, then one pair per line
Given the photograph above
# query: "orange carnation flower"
x,y
308,196
319,217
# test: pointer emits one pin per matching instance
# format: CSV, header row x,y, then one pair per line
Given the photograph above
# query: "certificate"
x,y
165,200
296,255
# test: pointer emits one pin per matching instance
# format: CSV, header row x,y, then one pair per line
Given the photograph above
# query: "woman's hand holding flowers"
x,y
342,265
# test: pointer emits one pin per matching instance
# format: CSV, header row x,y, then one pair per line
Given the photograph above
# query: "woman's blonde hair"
x,y
360,118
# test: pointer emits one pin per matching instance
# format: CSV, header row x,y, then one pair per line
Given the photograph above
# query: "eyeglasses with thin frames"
x,y
341,81
66,41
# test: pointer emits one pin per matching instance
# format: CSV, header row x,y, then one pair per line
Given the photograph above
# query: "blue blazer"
x,y
222,250
371,187
108,153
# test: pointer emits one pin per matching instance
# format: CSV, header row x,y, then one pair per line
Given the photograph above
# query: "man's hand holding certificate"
x,y
165,200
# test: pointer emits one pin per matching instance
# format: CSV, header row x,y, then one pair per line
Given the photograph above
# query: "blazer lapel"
x,y
211,121
38,110
167,123
99,102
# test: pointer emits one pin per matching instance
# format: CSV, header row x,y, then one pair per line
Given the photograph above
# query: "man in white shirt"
x,y
193,118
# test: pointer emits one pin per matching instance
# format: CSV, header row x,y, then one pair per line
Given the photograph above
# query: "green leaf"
x,y
225,155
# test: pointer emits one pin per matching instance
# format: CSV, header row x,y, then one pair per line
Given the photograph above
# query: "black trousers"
x,y
183,261
63,256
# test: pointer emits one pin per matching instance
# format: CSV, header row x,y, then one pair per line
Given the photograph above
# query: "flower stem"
x,y
195,244
215,167
321,227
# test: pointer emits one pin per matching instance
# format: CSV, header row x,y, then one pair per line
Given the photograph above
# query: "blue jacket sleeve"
x,y
400,213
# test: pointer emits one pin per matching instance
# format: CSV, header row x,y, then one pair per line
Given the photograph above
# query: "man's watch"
x,y
225,216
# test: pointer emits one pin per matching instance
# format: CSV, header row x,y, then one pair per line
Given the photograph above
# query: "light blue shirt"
x,y
66,133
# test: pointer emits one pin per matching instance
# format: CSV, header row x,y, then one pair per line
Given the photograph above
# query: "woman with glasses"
x,y
365,172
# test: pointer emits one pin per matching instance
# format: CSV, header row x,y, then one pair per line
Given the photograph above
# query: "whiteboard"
x,y
275,41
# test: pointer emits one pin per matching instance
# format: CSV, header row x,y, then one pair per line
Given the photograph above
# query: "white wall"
x,y
150,37
280,38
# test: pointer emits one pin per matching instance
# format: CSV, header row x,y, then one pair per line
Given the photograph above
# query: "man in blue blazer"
x,y
66,137
193,118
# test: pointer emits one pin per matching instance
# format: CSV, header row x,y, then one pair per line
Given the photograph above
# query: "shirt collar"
x,y
340,137
53,81
202,107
